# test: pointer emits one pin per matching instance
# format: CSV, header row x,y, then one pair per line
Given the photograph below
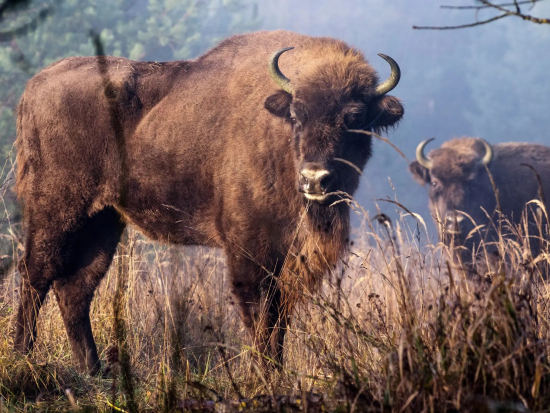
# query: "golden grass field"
x,y
396,328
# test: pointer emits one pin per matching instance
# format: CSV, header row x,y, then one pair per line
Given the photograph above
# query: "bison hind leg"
x,y
74,260
94,248
33,291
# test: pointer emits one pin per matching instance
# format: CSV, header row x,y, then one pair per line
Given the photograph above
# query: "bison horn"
x,y
488,153
420,157
281,80
392,81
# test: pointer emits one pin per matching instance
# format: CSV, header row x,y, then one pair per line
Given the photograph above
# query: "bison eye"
x,y
296,124
349,120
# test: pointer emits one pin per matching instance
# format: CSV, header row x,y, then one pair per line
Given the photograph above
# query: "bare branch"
x,y
462,26
518,14
486,7
506,9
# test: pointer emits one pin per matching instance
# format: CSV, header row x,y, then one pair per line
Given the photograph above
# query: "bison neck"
x,y
320,242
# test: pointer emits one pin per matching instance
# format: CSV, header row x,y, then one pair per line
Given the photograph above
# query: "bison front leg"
x,y
262,306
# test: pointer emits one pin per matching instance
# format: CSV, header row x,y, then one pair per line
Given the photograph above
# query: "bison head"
x,y
460,190
323,111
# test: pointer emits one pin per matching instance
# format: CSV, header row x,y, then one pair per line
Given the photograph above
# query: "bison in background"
x,y
462,196
223,151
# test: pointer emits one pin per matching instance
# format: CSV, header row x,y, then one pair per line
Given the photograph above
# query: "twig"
x,y
221,349
539,181
377,136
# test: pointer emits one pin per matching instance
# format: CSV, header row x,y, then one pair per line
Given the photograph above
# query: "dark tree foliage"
x,y
36,33
10,9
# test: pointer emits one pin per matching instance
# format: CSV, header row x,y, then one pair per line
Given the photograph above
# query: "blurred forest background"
x,y
489,81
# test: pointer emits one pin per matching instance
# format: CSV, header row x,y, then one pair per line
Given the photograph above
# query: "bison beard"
x,y
202,152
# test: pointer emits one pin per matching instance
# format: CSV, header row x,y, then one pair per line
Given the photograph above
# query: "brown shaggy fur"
x,y
459,181
203,152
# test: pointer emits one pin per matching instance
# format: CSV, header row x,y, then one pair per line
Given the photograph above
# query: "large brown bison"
x,y
223,151
459,178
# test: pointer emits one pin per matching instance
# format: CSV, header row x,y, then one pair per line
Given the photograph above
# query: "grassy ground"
x,y
395,329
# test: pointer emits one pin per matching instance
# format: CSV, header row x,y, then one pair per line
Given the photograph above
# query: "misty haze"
x,y
126,173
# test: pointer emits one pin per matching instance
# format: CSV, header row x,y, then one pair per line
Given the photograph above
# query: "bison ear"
x,y
389,111
419,173
279,104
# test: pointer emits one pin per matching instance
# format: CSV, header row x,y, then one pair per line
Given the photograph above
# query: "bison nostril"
x,y
325,182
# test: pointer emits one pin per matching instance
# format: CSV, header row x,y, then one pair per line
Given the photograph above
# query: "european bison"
x,y
223,151
459,183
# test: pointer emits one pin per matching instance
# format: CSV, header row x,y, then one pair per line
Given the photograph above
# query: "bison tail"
x,y
22,161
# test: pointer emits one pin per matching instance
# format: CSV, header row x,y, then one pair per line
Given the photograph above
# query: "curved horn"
x,y
391,81
281,80
420,157
488,153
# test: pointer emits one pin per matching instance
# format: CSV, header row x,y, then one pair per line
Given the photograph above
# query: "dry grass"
x,y
395,329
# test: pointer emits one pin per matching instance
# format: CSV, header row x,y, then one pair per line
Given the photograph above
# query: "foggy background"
x,y
489,81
